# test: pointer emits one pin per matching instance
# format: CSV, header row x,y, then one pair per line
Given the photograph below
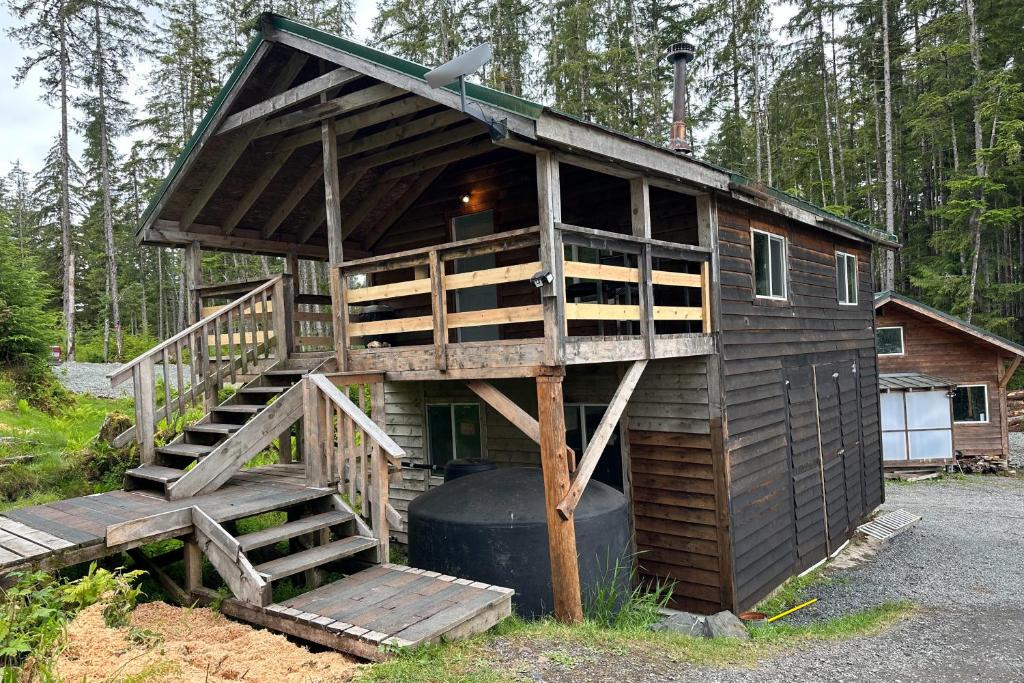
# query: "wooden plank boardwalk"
x,y
363,613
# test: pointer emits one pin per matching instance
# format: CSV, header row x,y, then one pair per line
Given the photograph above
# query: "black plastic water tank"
x,y
460,467
492,527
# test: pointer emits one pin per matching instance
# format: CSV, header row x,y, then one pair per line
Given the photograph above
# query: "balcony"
x,y
498,306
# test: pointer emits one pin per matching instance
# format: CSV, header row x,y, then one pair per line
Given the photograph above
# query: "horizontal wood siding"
x,y
673,482
771,446
936,349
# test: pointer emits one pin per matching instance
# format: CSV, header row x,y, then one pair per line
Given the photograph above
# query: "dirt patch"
x,y
166,643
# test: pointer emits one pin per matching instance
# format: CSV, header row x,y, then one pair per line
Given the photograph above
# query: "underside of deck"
x,y
384,605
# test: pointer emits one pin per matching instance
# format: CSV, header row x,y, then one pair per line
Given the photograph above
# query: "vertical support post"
x,y
142,377
640,206
549,211
193,566
381,481
705,298
647,330
193,279
335,252
281,318
707,234
565,574
312,444
439,307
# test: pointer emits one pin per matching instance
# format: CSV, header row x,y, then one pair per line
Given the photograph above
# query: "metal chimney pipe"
x,y
679,54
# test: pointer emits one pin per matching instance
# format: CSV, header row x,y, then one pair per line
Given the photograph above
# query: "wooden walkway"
x,y
363,613
71,531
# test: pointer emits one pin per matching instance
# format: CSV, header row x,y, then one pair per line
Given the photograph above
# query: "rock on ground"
x,y
1017,451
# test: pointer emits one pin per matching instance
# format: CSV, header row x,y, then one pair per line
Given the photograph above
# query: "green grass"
x,y
470,661
791,593
58,445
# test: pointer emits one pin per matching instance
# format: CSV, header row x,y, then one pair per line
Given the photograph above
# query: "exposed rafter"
x,y
353,122
288,204
426,144
367,204
447,156
274,163
399,207
325,110
346,185
277,103
398,133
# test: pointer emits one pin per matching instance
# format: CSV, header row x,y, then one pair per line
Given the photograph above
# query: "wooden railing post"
x,y
281,320
439,307
646,299
312,443
379,477
705,296
549,207
142,375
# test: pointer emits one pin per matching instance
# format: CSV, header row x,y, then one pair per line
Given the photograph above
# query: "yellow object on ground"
x,y
793,609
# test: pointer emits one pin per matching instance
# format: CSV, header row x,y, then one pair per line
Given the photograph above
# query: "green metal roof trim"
x,y
981,332
480,93
200,129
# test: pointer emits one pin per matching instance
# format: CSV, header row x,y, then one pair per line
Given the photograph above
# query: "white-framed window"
x,y
970,404
581,421
846,278
769,265
454,430
889,341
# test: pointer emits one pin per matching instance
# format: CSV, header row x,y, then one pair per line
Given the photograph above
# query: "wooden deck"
x,y
385,605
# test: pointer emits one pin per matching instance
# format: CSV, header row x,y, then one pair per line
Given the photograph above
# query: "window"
x,y
846,278
970,403
769,265
580,423
889,341
454,431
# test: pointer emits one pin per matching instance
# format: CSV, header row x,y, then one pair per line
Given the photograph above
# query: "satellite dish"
x,y
460,67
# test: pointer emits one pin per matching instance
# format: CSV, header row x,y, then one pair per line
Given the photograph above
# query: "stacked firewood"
x,y
1015,410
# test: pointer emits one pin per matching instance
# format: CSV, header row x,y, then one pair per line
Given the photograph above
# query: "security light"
x,y
541,278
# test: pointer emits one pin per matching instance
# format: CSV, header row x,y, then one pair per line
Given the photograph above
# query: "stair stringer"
x,y
226,556
231,454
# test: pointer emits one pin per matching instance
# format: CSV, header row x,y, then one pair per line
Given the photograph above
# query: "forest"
x,y
904,114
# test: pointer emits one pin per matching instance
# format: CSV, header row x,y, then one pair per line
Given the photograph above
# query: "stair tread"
x,y
263,390
285,372
156,473
315,557
265,537
240,408
213,428
192,449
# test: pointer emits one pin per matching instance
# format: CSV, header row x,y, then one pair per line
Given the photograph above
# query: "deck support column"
x,y
193,279
565,573
552,294
335,237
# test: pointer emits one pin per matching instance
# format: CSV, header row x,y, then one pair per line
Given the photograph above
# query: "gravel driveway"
x,y
91,378
1017,450
962,564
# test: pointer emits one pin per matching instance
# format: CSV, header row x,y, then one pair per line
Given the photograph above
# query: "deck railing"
x,y
201,358
344,444
611,286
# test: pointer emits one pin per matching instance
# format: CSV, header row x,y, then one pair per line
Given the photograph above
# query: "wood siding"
x,y
675,498
786,469
935,349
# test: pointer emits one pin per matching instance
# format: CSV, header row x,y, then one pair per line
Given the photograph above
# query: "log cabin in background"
x,y
916,338
506,282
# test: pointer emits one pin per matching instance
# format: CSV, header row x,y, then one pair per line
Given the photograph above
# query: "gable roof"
x,y
535,123
883,298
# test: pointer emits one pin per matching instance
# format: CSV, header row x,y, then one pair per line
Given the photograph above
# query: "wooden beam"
x,y
377,196
565,573
299,191
237,146
640,206
427,144
444,157
335,240
288,98
401,205
329,109
354,122
398,133
1004,380
507,408
599,439
193,280
273,164
251,242
549,210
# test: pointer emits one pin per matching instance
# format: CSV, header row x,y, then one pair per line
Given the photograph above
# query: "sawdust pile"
x,y
166,643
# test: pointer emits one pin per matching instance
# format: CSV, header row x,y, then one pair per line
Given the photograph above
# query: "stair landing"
x,y
385,606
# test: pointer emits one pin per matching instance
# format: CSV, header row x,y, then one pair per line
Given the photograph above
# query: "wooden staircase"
x,y
316,537
213,434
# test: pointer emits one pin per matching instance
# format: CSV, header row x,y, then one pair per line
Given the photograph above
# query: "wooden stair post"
x,y
565,573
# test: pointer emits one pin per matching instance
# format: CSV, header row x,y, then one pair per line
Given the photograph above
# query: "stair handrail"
x,y
204,380
331,420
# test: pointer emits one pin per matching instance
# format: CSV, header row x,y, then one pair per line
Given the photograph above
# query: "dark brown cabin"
x,y
914,337
512,283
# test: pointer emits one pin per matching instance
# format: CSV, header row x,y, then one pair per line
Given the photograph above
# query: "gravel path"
x,y
1017,451
91,378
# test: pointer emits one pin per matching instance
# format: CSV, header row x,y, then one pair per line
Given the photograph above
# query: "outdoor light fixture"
x,y
465,199
541,278
456,70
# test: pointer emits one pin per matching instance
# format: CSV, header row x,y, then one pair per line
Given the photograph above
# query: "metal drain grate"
x,y
888,525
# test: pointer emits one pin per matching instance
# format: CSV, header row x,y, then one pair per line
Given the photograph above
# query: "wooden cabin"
x,y
508,282
916,338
